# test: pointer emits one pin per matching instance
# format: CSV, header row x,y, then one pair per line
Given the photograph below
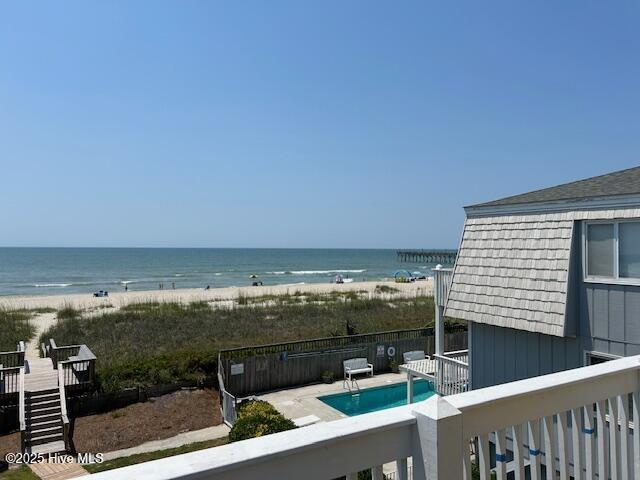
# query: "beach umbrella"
x,y
402,273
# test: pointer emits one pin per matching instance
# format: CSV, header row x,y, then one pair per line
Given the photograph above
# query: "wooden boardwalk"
x,y
40,375
38,385
57,471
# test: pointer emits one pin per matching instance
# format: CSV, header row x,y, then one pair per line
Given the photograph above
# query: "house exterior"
x,y
550,280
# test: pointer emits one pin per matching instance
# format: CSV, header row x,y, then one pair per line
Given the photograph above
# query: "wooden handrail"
x,y
12,359
445,358
10,379
63,408
21,409
456,352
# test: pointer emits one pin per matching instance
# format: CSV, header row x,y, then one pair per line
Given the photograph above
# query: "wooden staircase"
x,y
44,411
44,429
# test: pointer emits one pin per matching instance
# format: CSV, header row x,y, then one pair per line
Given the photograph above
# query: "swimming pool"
x,y
377,398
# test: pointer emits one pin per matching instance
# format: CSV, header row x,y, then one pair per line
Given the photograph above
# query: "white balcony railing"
x,y
451,375
560,421
449,372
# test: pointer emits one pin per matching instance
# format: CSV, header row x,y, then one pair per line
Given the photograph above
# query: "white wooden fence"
x,y
576,423
451,375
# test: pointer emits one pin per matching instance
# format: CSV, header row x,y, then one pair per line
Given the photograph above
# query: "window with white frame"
x,y
612,250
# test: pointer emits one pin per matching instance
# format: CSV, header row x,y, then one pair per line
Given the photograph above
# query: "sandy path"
x,y
42,322
186,295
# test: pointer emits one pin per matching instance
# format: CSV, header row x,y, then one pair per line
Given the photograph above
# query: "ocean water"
x,y
46,271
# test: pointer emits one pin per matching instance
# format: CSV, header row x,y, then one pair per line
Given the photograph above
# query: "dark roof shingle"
x,y
623,182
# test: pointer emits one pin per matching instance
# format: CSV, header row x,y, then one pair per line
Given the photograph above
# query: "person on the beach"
x,y
207,287
126,288
173,285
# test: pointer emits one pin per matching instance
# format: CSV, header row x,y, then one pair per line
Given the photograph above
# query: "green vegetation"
x,y
147,457
44,310
68,312
300,298
475,472
21,473
386,289
158,343
257,418
14,326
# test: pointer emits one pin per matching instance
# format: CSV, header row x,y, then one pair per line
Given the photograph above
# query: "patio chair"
x,y
414,356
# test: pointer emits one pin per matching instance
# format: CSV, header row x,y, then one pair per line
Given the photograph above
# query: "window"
x,y
600,250
629,246
612,250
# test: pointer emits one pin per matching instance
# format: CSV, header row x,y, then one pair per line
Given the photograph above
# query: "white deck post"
x,y
439,311
439,331
439,427
409,388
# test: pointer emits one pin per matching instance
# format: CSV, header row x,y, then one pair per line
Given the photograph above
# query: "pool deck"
x,y
296,403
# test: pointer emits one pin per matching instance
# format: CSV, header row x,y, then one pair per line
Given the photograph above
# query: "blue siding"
x,y
600,317
541,354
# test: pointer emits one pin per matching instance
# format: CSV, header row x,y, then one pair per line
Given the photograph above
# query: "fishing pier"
x,y
445,257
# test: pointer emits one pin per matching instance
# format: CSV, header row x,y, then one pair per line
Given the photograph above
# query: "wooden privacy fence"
x,y
252,370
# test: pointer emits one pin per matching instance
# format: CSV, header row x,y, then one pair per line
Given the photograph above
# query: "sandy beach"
x,y
187,295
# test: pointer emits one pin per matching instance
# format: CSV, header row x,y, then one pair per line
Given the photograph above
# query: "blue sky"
x,y
301,124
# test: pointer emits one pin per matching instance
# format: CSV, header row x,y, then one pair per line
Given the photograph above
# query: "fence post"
x,y
439,446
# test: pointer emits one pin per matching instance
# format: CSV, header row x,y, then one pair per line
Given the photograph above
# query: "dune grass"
x,y
14,326
155,343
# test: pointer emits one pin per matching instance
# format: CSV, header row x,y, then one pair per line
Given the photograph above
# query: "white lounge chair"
x,y
355,366
414,356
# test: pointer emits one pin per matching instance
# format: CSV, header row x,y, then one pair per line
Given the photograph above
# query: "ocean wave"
x,y
60,285
323,272
314,272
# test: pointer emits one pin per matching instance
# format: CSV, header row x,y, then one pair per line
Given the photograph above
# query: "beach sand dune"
x,y
188,295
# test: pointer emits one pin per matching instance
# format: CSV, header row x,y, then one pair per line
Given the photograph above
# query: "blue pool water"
x,y
377,398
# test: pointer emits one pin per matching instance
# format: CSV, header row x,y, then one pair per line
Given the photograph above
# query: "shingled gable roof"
x,y
623,182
